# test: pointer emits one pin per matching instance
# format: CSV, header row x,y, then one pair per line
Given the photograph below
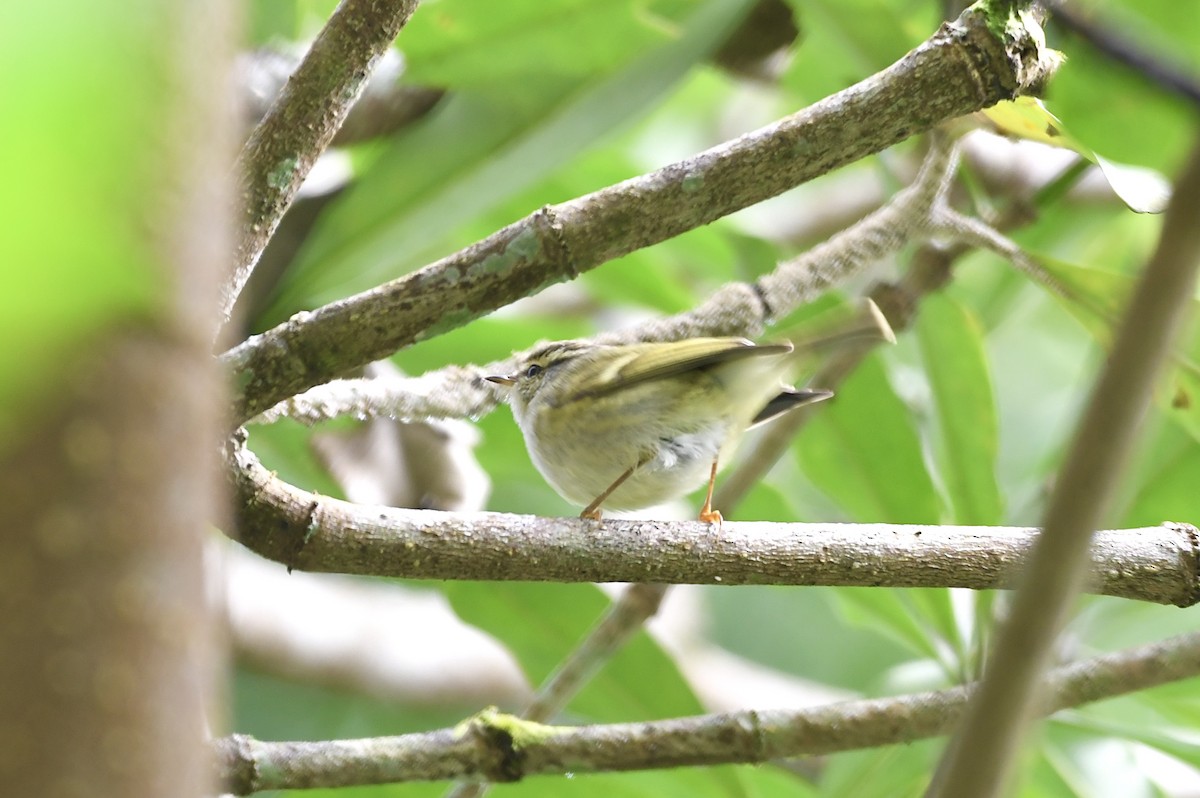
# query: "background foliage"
x,y
963,422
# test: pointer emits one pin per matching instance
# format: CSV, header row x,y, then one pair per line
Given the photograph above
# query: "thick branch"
x,y
315,533
502,748
303,120
962,68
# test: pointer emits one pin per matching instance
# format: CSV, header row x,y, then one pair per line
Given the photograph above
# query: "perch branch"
x,y
640,601
315,533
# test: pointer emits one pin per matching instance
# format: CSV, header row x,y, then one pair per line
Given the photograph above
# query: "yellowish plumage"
x,y
634,425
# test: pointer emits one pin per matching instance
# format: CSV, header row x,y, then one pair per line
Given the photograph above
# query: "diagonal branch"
x,y
502,748
982,754
315,533
962,68
303,120
735,309
384,105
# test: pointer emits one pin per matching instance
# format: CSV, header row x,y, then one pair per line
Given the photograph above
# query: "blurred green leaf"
x,y
1112,109
769,782
1091,764
763,502
673,275
1177,707
1105,623
475,42
1097,298
1098,756
863,451
1168,492
888,613
1094,297
889,772
540,623
1143,190
76,256
951,341
1179,742
504,139
271,708
285,448
856,661
843,42
275,22
922,620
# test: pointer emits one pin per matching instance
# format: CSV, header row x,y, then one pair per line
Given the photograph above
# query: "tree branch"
x,y
303,120
384,105
931,269
962,68
981,755
735,309
315,533
499,747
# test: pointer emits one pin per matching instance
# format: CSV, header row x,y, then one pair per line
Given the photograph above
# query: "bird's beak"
x,y
500,379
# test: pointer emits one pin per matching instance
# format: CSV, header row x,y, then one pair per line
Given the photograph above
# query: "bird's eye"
x,y
533,371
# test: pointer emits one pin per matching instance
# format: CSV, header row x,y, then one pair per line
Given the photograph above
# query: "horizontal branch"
x,y
499,747
962,68
309,532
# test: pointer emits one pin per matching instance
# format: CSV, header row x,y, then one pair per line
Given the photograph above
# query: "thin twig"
x,y
892,229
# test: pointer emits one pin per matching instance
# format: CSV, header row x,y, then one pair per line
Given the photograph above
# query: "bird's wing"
x,y
657,362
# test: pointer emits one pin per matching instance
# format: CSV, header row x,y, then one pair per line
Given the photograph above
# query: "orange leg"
x,y
592,511
707,513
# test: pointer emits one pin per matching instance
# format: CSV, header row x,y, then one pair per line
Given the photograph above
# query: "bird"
x,y
627,426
